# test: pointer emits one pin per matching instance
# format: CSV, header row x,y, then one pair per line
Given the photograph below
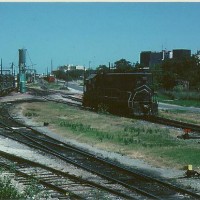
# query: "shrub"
x,y
7,190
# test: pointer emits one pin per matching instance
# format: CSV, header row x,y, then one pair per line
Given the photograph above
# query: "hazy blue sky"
x,y
76,33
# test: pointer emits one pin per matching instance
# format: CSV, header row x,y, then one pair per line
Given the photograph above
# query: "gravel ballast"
x,y
13,147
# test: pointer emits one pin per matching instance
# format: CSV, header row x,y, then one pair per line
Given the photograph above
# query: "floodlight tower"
x,y
22,70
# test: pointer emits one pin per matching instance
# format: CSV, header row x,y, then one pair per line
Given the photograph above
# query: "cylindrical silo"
x,y
22,70
22,57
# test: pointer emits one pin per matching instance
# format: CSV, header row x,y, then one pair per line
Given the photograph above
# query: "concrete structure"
x,y
155,58
145,58
180,54
198,54
22,70
149,58
71,67
166,54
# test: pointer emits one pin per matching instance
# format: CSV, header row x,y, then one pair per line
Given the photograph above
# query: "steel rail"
x,y
50,144
198,196
75,179
41,181
154,119
36,145
174,123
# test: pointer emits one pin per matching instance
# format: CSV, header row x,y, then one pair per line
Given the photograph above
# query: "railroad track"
x,y
98,186
155,119
136,184
174,123
72,101
72,97
57,184
25,171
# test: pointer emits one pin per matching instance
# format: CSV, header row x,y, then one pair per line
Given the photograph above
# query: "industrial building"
x,y
181,53
150,59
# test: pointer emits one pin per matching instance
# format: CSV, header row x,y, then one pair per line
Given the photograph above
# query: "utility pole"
x,y
12,65
89,67
84,76
67,77
51,66
1,67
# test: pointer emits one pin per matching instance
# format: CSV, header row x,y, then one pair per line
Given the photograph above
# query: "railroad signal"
x,y
187,130
186,135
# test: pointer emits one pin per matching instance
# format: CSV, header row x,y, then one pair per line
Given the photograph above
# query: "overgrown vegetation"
x,y
130,135
184,98
181,115
9,191
171,71
156,144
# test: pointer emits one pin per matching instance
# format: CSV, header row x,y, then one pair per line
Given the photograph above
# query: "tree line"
x,y
166,75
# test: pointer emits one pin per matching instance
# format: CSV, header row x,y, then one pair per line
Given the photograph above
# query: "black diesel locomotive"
x,y
121,93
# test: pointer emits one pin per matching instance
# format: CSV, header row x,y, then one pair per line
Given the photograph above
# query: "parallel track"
x,y
132,181
154,119
58,184
174,123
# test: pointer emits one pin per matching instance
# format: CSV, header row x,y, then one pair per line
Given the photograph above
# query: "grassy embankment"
x,y
188,99
184,98
156,144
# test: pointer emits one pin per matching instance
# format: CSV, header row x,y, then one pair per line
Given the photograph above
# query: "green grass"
x,y
127,136
180,98
9,191
181,115
182,154
53,85
132,136
31,114
154,141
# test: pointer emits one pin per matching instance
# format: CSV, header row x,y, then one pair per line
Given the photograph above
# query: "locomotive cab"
x,y
142,100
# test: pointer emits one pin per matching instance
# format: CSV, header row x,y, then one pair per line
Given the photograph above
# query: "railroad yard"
x,y
100,101
141,149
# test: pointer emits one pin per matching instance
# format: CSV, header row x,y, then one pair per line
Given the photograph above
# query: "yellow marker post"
x,y
190,167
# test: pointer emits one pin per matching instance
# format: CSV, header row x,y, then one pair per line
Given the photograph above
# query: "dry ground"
x,y
156,144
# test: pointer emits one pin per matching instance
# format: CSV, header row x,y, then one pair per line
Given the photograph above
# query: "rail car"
x,y
121,93
7,83
50,78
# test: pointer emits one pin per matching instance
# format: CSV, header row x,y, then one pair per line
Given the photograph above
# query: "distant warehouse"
x,y
150,59
181,53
